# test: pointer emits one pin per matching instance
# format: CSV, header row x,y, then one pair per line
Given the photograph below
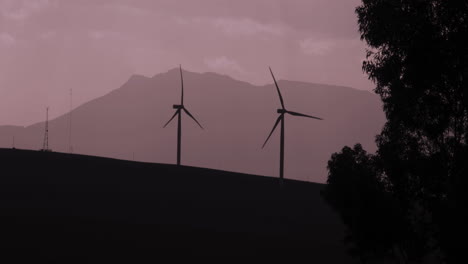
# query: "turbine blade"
x,y
277,88
182,85
176,112
189,114
273,130
299,114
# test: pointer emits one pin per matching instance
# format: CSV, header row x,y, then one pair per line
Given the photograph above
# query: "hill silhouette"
x,y
237,117
67,208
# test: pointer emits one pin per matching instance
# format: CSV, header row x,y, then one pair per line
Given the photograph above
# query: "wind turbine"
x,y
282,111
178,113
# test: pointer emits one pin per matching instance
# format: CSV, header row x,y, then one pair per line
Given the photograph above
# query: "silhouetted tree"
x,y
418,59
365,205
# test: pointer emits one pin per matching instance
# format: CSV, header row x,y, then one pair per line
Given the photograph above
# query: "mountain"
x,y
68,208
237,117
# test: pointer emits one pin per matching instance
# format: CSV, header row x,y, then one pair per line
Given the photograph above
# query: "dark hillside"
x,y
73,208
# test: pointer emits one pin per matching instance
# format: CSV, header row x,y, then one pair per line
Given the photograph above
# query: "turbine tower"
x,y
282,111
45,144
178,113
70,148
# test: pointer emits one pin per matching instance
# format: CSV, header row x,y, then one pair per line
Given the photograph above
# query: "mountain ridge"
x,y
140,77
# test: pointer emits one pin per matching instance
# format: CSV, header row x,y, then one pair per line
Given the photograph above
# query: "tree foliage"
x,y
364,203
418,60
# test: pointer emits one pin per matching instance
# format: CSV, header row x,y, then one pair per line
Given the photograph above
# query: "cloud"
x,y
317,47
7,39
246,27
235,26
47,35
101,34
129,10
223,63
23,9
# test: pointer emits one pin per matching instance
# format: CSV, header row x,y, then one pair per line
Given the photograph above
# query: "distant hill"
x,y
80,209
237,116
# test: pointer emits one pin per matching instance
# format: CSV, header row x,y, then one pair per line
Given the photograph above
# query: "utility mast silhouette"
x,y
282,111
45,145
70,148
178,113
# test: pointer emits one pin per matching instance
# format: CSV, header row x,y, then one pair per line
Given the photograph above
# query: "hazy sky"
x,y
48,47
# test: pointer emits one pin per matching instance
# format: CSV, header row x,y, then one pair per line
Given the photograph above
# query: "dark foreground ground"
x,y
63,208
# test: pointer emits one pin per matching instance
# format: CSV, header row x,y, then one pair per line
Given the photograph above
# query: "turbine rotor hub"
x,y
281,111
177,106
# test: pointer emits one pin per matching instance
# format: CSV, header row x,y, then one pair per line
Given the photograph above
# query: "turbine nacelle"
x,y
178,106
281,111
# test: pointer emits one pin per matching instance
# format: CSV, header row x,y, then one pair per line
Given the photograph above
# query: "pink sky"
x,y
48,47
